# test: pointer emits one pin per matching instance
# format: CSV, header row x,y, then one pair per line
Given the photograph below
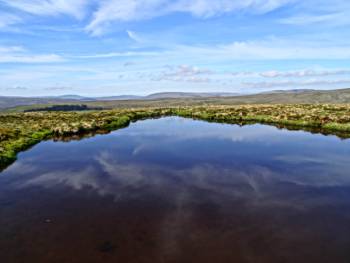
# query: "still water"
x,y
179,190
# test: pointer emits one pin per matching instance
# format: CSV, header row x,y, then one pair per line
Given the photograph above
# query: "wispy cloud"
x,y
9,49
315,83
304,73
268,49
30,58
341,18
136,10
184,73
58,88
17,88
118,54
259,43
7,20
207,8
16,54
328,13
132,35
75,8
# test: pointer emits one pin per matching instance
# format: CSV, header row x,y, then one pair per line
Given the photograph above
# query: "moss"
x,y
41,135
337,127
121,122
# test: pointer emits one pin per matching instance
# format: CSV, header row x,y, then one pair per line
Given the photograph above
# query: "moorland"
x,y
180,99
21,130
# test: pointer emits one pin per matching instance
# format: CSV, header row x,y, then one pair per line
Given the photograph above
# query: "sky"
x,y
115,47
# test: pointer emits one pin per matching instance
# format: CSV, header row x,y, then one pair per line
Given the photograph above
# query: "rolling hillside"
x,y
184,99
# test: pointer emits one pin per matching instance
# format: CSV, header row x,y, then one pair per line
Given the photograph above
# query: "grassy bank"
x,y
19,131
331,119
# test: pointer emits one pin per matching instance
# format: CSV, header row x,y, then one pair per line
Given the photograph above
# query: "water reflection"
x,y
177,190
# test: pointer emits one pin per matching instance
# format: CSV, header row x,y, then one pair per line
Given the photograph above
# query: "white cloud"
x,y
315,83
30,58
132,35
8,49
7,20
16,54
58,88
270,49
341,18
118,54
123,10
104,13
184,73
325,12
186,70
17,88
208,8
304,73
111,11
307,19
75,8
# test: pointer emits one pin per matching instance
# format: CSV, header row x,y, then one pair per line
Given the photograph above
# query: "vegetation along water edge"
x,y
20,131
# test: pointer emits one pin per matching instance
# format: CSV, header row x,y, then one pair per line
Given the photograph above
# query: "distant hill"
x,y
185,99
167,95
288,91
73,97
121,97
10,102
179,95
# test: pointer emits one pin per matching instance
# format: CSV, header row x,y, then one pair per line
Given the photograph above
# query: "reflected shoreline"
x,y
178,190
85,134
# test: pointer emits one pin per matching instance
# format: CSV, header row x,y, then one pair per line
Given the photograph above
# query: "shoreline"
x,y
63,125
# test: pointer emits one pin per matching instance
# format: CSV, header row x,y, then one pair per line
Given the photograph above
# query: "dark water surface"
x,y
178,190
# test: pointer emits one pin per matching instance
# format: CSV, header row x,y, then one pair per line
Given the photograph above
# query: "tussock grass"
x,y
19,131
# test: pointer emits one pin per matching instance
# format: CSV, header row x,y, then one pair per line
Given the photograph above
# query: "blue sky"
x,y
113,47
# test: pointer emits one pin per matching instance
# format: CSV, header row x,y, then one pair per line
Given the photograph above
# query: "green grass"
x,y
120,122
19,131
